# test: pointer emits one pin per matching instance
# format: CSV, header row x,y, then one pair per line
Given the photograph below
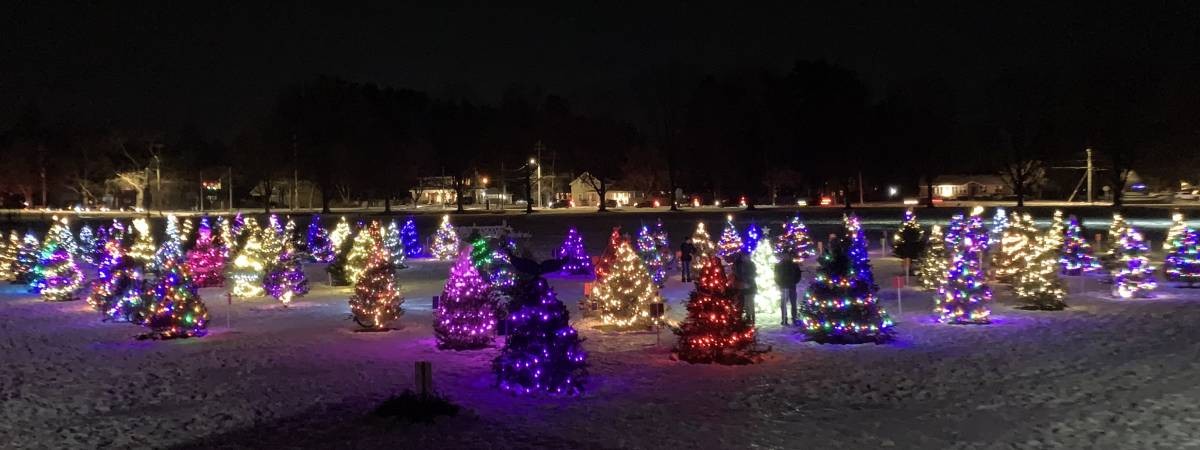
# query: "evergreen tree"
x,y
1037,284
481,250
341,233
248,268
226,239
1111,259
176,310
377,300
715,330
704,247
730,242
143,247
858,249
750,241
542,352
575,259
624,295
206,259
286,280
647,249
500,272
909,240
767,294
609,255
1076,256
795,241
394,245
466,314
1134,276
1056,234
320,247
1183,263
965,296
26,259
185,233
87,244
931,272
662,242
361,252
1000,223
445,241
1175,232
339,274
8,258
271,239
410,239
109,284
1016,249
840,304
172,246
58,276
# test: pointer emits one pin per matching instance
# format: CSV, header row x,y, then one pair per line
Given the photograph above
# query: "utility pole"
x,y
231,188
295,174
201,191
1089,175
539,147
529,187
860,189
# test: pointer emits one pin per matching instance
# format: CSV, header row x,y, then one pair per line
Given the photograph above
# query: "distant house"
x,y
967,187
583,194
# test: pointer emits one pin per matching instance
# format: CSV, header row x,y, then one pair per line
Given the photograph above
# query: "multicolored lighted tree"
x,y
795,241
932,268
87,244
575,259
731,242
965,297
500,272
715,331
320,247
1183,263
840,304
858,249
206,259
376,301
909,240
286,280
1038,285
466,314
176,310
172,246
1134,276
623,297
1175,232
647,249
445,241
26,259
58,277
542,352
662,241
1077,255
410,239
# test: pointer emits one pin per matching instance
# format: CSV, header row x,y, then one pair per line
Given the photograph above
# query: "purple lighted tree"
x,y
575,259
206,259
286,280
1183,262
1077,257
320,249
466,315
542,352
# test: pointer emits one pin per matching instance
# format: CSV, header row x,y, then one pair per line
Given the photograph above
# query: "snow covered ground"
x,y
1103,374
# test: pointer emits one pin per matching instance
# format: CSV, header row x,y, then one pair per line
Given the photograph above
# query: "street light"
x,y
533,162
487,202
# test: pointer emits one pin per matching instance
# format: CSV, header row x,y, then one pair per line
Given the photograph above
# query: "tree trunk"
x,y
387,203
324,199
602,191
267,197
929,190
458,194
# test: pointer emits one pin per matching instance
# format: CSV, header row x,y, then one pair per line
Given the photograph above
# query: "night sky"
x,y
218,65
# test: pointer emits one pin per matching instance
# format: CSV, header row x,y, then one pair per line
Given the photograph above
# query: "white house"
x,y
583,194
967,186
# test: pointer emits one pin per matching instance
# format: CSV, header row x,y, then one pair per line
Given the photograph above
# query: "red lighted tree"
x,y
715,330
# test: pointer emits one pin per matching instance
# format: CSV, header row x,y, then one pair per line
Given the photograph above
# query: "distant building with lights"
x,y
952,187
582,193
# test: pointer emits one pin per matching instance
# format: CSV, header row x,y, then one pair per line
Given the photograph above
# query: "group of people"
x,y
787,275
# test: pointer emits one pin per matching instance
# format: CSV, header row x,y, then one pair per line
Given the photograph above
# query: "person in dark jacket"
x,y
743,278
787,275
686,250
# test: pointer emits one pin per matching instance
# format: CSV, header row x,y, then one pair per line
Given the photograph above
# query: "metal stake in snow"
x,y
898,283
423,378
229,310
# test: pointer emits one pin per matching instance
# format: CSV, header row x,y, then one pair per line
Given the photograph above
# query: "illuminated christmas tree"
x,y
1076,256
1037,284
227,239
956,229
58,276
1017,247
98,251
8,257
341,234
1134,276
795,241
270,240
715,331
840,304
206,259
1175,232
26,259
609,255
87,244
977,231
410,239
376,300
575,259
909,240
143,248
1057,232
111,277
339,272
466,314
623,297
445,241
1183,263
767,294
481,250
246,272
172,246
704,247
858,249
176,310
730,242
541,352
361,252
290,237
185,233
237,225
965,296
1000,223
394,245
501,272
1111,259
662,242
647,249
931,271
750,241
320,247
285,280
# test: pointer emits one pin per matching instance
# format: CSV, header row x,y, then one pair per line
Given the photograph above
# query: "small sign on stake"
x,y
423,378
436,302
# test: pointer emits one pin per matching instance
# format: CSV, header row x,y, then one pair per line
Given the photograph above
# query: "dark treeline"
x,y
813,130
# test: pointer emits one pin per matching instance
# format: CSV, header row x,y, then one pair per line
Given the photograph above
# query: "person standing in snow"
x,y
787,274
743,276
686,250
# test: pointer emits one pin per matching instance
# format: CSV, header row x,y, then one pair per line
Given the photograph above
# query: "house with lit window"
x,y
583,194
952,187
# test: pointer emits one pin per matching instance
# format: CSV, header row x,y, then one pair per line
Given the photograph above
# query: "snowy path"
x,y
1103,374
